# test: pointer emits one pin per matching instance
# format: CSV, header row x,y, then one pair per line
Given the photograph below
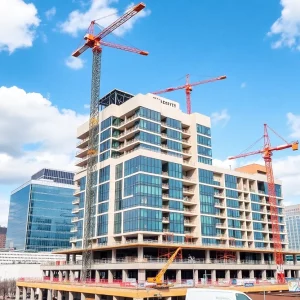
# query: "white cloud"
x,y
225,164
243,85
294,123
75,63
220,117
50,13
80,20
43,136
86,106
287,26
18,22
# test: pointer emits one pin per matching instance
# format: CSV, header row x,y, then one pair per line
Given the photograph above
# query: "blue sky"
x,y
202,38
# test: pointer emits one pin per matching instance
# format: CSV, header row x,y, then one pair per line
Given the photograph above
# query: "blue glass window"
x,y
104,174
173,134
174,170
118,223
173,123
233,213
103,207
82,183
102,226
176,222
209,241
119,171
148,114
232,203
235,233
255,207
254,198
232,194
207,200
208,226
175,189
204,160
103,192
174,145
105,145
106,123
105,134
149,138
230,181
203,130
206,176
142,163
150,126
258,236
257,226
105,155
278,190
234,223
257,216
176,205
203,140
204,151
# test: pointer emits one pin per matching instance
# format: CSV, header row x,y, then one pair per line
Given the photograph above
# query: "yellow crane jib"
x,y
159,279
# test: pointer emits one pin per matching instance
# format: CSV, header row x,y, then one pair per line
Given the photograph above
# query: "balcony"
x,y
127,134
76,201
76,192
165,220
165,207
75,219
189,212
74,229
83,143
75,210
219,195
82,153
221,225
127,121
219,204
82,162
188,191
73,238
165,186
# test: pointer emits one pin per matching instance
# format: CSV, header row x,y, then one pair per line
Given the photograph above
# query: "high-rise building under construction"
x,y
156,190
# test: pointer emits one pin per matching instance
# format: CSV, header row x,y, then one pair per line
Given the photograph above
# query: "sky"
x,y
44,92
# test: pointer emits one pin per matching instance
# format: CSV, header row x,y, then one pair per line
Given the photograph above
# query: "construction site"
x,y
152,215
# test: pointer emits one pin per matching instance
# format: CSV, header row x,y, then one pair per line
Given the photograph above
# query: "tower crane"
x,y
188,87
158,280
95,42
267,153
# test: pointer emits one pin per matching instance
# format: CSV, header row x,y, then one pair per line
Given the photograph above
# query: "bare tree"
x,y
4,287
12,287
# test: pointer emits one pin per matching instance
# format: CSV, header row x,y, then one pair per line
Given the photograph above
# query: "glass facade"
x,y
40,215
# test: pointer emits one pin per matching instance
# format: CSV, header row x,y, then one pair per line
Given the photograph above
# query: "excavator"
x,y
158,280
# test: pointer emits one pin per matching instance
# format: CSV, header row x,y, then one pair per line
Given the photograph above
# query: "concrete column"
x,y
31,293
73,257
227,274
140,237
160,239
97,273
110,276
196,275
24,293
60,276
71,296
59,295
141,275
67,275
113,255
17,293
178,276
97,297
51,275
239,274
72,277
298,273
207,256
123,239
124,275
238,257
140,254
289,273
49,295
264,275
68,257
40,294
251,273
262,258
213,275
83,296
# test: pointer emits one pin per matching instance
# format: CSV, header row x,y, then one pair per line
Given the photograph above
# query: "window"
x,y
148,138
206,176
233,213
105,155
106,123
254,198
207,200
232,194
235,233
176,222
234,223
209,241
258,236
105,134
204,160
104,174
232,203
142,163
204,151
103,207
119,171
118,195
174,170
118,223
148,114
105,145
174,145
241,297
173,123
175,189
208,226
102,227
203,130
230,181
150,126
176,205
103,192
203,140
255,207
173,134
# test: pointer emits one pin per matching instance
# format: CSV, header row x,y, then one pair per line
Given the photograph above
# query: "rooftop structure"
x,y
40,212
156,189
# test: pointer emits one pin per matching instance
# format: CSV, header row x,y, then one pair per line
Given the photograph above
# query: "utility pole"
x,y
192,258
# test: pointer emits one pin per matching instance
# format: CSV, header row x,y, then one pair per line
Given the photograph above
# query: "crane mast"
x,y
267,153
95,43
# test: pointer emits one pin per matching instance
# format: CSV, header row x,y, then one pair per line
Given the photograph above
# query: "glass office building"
x,y
292,219
40,212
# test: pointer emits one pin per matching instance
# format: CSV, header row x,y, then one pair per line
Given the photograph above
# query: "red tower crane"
x,y
267,153
188,89
95,42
